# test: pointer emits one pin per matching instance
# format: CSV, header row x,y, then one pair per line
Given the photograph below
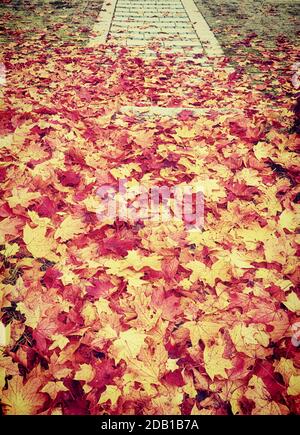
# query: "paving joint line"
x,y
103,24
202,29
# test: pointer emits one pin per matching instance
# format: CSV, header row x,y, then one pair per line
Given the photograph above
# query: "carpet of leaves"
x,y
147,318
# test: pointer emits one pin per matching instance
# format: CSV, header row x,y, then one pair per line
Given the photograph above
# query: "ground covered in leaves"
x,y
147,317
234,20
66,19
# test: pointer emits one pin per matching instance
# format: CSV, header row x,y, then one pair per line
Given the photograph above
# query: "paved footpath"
x,y
176,25
156,27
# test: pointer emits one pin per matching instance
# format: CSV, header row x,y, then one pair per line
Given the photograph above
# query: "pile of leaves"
x,y
146,317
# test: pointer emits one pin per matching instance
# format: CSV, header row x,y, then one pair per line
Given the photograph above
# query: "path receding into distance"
x,y
157,26
177,25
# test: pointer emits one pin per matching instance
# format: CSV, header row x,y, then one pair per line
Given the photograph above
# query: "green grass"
x,y
65,19
233,20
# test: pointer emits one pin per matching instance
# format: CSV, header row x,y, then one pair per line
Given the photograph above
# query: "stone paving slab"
x,y
161,112
101,28
175,24
170,22
156,25
154,31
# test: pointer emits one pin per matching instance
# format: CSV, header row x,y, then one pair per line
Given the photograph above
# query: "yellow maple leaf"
x,y
137,261
102,306
294,385
289,220
21,196
198,270
69,228
251,236
220,269
215,363
37,243
147,369
134,261
146,316
203,330
8,226
45,170
22,399
186,284
53,388
186,133
143,138
33,152
192,167
2,377
273,250
92,203
124,171
259,394
286,368
60,341
249,176
111,393
4,334
6,141
262,150
292,302
240,260
10,250
171,364
85,373
244,337
128,345
213,189
270,200
105,333
89,313
33,314
37,220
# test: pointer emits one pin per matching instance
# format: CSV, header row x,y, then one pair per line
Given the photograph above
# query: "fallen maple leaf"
x,y
21,197
69,228
53,388
37,243
111,393
23,398
214,361
128,345
292,302
294,385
